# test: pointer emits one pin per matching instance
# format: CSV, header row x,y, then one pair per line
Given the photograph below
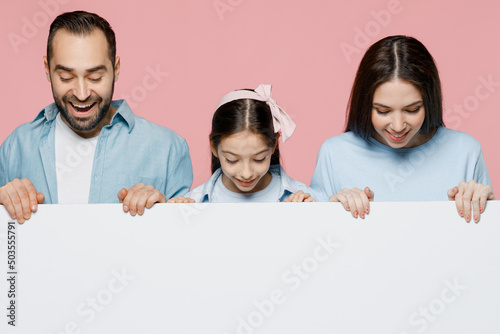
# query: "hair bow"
x,y
281,120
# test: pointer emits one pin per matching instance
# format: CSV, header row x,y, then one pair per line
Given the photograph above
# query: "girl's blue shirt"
x,y
207,191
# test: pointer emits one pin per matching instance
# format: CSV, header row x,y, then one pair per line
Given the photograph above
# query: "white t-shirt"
x,y
74,160
268,194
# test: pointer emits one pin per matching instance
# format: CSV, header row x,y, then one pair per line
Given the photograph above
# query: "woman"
x,y
395,145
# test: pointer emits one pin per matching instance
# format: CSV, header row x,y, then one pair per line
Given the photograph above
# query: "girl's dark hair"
x,y
82,23
394,57
240,115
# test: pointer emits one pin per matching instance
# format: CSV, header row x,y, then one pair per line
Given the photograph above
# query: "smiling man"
x,y
86,148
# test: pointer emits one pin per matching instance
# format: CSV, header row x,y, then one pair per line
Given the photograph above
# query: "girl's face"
x,y
245,159
398,114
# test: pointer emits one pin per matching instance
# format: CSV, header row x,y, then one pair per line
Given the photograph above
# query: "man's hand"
x,y
139,197
20,199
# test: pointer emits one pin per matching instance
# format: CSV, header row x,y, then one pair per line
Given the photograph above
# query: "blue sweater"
x,y
422,173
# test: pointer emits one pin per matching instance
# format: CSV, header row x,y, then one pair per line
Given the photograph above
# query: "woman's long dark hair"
x,y
394,57
240,115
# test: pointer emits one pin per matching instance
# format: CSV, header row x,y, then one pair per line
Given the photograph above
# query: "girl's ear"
x,y
213,149
276,142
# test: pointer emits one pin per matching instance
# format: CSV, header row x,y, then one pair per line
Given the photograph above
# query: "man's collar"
x,y
49,112
123,112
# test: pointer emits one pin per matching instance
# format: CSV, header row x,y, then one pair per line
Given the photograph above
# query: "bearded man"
x,y
84,147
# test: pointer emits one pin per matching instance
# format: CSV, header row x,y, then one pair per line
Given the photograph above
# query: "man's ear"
x,y
47,69
117,68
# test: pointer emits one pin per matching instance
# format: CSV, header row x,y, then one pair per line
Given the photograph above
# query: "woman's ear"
x,y
213,149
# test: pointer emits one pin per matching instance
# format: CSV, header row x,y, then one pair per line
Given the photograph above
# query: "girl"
x,y
395,140
246,167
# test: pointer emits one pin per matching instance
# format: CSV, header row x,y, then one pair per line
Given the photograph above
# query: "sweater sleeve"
x,y
481,174
322,183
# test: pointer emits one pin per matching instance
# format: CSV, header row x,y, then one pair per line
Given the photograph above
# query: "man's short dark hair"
x,y
83,24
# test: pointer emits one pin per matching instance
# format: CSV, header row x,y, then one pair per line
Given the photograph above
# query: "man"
x,y
86,148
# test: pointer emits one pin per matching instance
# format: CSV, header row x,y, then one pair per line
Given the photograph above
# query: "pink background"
x,y
295,45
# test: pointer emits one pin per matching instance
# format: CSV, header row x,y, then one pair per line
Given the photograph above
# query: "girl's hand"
x,y
300,196
355,200
467,192
139,197
181,199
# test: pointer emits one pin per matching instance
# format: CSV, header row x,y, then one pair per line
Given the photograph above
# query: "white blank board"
x,y
252,268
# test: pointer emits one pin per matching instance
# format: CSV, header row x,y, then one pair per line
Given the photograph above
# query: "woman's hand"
x,y
471,192
355,200
181,199
300,196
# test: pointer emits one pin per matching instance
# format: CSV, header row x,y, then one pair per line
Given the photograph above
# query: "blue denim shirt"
x,y
205,193
129,150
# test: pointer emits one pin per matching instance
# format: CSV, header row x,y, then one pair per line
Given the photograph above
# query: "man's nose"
x,y
81,91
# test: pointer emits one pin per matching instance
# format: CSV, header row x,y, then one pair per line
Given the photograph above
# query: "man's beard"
x,y
87,123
